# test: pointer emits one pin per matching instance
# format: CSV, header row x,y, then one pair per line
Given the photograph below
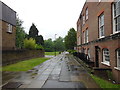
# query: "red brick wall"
x,y
13,56
94,10
112,45
8,39
0,34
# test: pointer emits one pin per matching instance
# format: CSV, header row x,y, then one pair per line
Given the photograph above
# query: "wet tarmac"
x,y
62,71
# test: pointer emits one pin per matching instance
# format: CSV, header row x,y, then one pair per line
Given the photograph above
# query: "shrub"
x,y
71,51
39,47
110,76
30,43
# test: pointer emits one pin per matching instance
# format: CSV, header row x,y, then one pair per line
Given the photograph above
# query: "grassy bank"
x,y
24,65
51,53
103,83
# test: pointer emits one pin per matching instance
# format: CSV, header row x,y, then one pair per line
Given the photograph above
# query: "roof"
x,y
7,14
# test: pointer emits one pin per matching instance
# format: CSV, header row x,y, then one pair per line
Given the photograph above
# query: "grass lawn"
x,y
51,53
24,65
103,83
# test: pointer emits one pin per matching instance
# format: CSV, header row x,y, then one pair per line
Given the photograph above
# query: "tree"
x,y
70,39
29,43
20,33
39,40
48,45
59,44
33,33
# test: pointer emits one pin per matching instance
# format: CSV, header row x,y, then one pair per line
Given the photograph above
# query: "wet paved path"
x,y
62,71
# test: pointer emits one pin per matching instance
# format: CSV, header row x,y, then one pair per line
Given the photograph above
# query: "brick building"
x,y
98,34
7,27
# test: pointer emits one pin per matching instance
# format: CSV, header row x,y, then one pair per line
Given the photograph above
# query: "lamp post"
x,y
55,45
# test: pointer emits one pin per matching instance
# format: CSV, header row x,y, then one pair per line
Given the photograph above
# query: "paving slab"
x,y
36,84
42,77
58,84
54,77
12,85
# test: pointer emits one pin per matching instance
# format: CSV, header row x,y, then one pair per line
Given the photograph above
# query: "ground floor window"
x,y
89,53
118,58
106,56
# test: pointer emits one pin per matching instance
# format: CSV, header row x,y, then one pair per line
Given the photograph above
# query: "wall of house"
x,y
0,34
8,39
95,9
7,16
13,56
112,45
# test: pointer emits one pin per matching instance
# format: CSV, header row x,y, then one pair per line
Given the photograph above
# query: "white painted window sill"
x,y
117,68
106,63
101,37
116,32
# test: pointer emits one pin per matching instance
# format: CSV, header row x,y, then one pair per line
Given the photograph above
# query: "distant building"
x,y
98,34
8,26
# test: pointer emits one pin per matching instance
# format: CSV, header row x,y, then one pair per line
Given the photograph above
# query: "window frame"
x,y
101,26
89,53
116,25
84,36
9,29
106,54
86,14
87,35
83,19
118,58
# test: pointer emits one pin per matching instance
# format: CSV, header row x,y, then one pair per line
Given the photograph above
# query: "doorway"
x,y
96,56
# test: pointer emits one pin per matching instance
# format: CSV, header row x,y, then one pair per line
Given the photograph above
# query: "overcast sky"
x,y
50,16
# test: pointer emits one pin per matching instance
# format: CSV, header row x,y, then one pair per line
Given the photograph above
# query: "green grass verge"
x,y
24,65
103,83
51,53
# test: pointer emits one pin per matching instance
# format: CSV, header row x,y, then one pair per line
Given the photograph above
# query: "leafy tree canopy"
x,y
70,39
49,45
20,33
33,33
59,44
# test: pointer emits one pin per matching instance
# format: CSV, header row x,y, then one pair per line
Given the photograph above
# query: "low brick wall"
x,y
13,56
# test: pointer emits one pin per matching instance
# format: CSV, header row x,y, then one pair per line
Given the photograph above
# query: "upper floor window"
x,y
83,19
84,36
87,35
79,28
86,13
116,17
118,58
106,56
9,29
101,25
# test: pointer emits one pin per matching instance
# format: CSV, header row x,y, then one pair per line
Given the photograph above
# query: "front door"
x,y
96,56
